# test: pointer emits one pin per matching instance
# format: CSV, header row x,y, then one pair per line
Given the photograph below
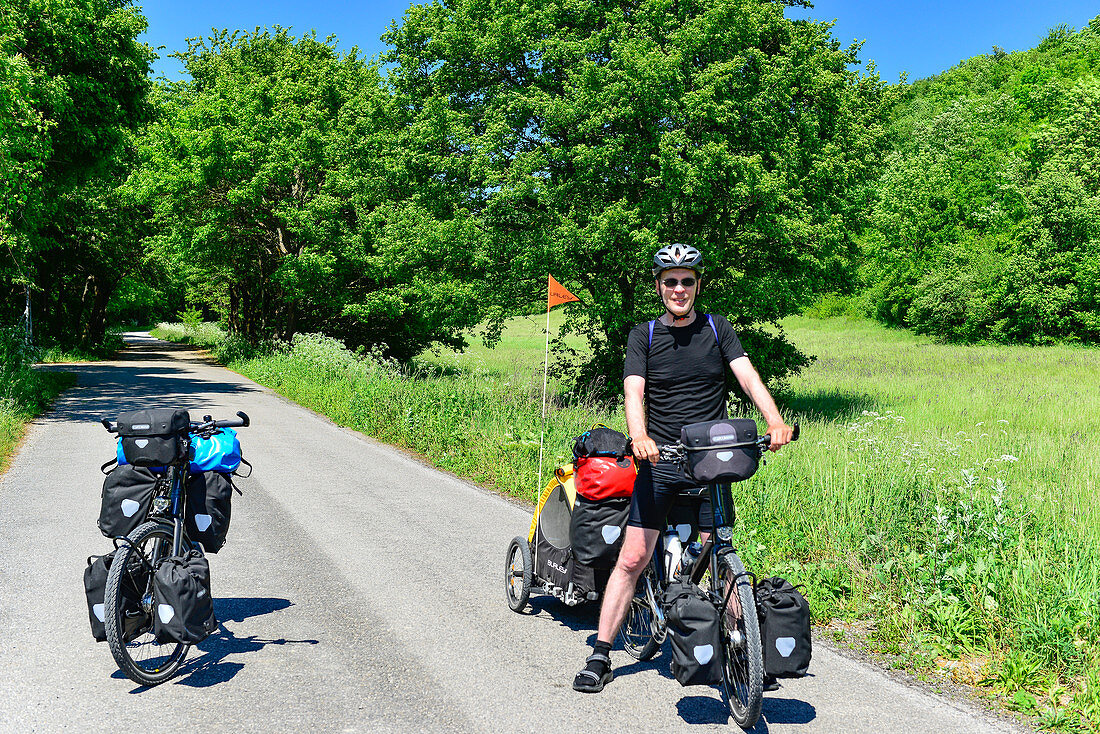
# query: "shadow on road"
x,y
211,667
707,710
120,387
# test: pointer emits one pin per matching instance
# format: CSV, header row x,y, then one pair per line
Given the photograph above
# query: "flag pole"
x,y
545,373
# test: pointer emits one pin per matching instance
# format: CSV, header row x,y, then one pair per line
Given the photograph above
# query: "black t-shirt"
x,y
685,372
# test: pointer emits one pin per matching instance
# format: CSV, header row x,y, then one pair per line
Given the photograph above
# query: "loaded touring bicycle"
x,y
165,506
698,595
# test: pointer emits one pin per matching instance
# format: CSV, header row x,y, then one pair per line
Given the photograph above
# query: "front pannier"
x,y
694,633
153,437
209,498
127,494
183,610
721,451
596,530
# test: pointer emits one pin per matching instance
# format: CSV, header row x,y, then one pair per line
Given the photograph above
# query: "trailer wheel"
x,y
517,573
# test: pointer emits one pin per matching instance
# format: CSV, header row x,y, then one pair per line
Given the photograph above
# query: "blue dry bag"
x,y
221,452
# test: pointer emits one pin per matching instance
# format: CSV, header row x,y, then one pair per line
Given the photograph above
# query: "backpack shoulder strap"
x,y
710,320
651,325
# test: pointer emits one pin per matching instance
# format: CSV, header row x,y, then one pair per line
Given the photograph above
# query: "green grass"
x,y
943,496
201,334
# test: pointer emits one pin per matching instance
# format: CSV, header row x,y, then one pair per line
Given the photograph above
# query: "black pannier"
x,y
183,607
784,628
127,494
596,530
721,451
153,437
209,498
694,633
95,586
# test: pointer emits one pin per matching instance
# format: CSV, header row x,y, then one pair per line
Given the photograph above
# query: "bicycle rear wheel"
x,y
638,633
743,665
128,603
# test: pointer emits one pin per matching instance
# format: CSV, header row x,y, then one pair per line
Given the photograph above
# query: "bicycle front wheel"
x,y
638,631
743,665
128,603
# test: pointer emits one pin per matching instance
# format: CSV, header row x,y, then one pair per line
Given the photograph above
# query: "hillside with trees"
x,y
986,224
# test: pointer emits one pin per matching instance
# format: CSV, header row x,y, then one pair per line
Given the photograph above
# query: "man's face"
x,y
678,298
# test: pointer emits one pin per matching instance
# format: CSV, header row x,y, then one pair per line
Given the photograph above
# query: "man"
x,y
674,375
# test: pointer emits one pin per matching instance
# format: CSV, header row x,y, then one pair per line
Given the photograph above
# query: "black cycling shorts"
x,y
658,487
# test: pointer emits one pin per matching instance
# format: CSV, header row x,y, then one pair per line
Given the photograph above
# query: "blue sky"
x,y
923,38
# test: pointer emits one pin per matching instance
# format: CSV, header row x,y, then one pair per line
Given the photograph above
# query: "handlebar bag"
x,y
127,494
721,451
153,437
209,506
694,633
183,610
784,628
596,530
95,586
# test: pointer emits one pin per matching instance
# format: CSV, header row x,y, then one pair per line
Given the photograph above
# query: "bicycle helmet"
x,y
677,256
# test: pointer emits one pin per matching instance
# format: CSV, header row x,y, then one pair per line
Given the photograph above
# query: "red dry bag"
x,y
601,477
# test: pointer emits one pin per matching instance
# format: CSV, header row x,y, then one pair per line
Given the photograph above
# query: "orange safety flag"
x,y
557,293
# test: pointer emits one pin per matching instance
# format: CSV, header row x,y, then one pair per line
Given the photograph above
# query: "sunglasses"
x,y
672,282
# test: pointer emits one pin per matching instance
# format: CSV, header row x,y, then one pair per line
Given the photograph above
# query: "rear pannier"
x,y
183,610
153,437
721,451
209,498
596,530
127,494
95,585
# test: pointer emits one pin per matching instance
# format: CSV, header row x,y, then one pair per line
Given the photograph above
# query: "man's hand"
x,y
645,448
781,434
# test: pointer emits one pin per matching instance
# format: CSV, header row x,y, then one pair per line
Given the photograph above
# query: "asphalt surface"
x,y
359,591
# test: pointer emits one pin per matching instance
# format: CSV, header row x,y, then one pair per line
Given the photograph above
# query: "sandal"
x,y
588,681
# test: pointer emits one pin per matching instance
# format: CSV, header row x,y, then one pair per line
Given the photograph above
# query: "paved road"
x,y
359,591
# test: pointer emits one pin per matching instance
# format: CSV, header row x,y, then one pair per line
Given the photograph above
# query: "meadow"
x,y
941,500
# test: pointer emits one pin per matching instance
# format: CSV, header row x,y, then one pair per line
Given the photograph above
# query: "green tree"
x,y
576,139
272,196
73,83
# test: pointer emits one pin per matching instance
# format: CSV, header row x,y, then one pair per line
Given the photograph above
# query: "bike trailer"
x,y
556,568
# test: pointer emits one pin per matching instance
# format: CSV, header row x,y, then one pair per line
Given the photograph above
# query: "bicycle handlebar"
x,y
676,451
207,423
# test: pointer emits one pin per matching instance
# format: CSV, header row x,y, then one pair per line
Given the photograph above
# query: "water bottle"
x,y
691,554
672,553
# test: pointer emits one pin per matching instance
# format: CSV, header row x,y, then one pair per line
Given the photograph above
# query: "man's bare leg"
x,y
637,549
